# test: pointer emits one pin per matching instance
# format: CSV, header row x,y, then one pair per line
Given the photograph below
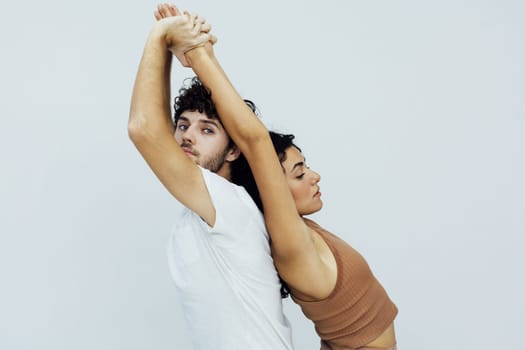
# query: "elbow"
x,y
136,128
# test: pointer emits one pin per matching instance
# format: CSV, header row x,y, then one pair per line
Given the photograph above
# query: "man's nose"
x,y
189,136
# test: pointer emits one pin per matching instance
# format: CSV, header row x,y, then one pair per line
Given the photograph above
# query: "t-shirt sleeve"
x,y
234,208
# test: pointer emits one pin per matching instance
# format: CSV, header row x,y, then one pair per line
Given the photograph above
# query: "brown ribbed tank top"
x,y
358,310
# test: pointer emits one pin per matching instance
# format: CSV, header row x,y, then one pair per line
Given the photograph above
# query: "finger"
x,y
196,27
157,14
201,20
198,24
159,9
188,17
195,18
213,39
165,11
174,10
203,39
205,28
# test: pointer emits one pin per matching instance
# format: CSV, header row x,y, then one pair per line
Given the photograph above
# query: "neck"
x,y
225,171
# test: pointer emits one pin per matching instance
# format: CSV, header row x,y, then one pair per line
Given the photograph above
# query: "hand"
x,y
166,10
185,33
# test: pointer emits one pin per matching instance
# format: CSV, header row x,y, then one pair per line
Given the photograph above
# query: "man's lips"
x,y
188,151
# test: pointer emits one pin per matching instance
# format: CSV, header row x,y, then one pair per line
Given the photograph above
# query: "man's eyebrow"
x,y
206,121
210,121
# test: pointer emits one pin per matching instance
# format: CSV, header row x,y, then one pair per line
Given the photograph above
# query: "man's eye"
x,y
207,131
183,127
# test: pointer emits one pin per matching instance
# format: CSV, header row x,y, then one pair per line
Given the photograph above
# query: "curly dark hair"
x,y
193,96
242,175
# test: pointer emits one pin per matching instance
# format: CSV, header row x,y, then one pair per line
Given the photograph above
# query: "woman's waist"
x,y
386,340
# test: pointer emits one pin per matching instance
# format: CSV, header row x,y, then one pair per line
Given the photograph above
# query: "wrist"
x,y
196,54
157,33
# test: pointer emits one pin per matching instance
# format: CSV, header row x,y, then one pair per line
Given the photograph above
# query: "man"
x,y
219,251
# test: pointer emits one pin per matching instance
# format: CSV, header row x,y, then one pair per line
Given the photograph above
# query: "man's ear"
x,y
233,153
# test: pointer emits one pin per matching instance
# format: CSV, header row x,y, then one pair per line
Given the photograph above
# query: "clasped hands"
x,y
183,32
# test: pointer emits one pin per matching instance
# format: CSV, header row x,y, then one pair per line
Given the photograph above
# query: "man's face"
x,y
204,140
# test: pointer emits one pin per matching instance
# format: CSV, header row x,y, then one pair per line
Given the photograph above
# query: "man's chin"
x,y
192,157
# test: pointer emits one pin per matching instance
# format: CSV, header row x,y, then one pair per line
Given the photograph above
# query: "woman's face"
x,y
303,182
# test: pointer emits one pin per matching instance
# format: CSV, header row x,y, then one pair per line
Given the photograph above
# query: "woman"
x,y
330,281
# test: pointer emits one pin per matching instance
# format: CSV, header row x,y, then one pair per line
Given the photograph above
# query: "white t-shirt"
x,y
225,276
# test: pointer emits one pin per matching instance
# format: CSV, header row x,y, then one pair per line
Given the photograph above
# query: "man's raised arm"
x,y
150,126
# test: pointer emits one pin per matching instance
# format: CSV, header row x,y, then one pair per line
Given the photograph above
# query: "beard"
x,y
215,162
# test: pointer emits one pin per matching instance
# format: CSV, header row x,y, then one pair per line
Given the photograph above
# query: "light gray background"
x,y
412,112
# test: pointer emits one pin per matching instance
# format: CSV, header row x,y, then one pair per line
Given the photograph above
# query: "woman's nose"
x,y
315,177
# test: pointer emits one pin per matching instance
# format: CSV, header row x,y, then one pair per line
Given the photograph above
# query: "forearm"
x,y
150,103
238,119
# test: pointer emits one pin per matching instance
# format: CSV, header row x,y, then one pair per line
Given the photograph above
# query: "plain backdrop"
x,y
412,112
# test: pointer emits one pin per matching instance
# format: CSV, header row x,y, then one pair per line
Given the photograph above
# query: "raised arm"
x,y
292,245
150,126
